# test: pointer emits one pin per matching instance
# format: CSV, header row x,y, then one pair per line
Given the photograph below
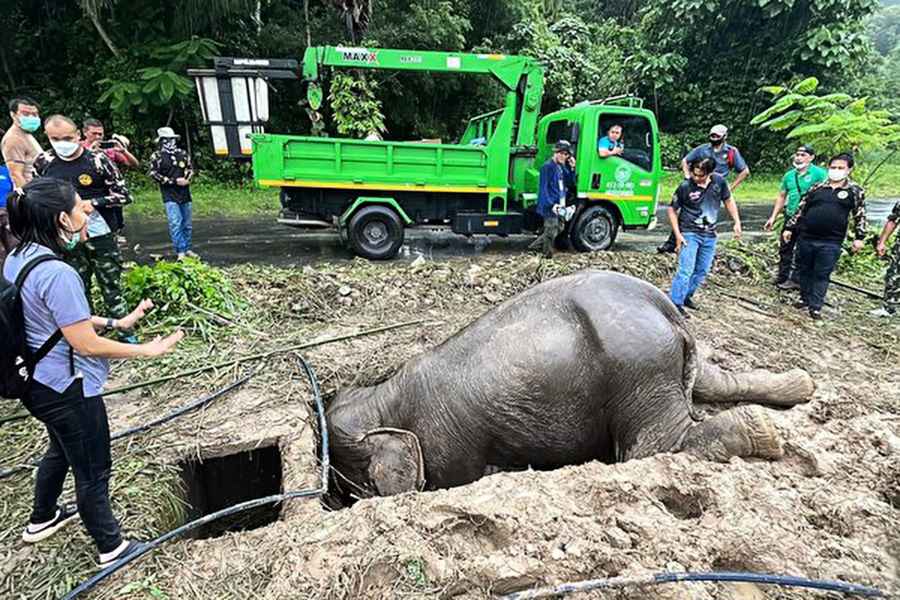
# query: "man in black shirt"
x,y
821,224
98,181
693,214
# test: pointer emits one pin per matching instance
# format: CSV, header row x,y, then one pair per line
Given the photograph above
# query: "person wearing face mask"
x,y
170,167
725,157
18,146
693,215
795,183
64,391
820,225
99,182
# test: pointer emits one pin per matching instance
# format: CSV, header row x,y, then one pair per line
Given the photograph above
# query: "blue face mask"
x,y
29,123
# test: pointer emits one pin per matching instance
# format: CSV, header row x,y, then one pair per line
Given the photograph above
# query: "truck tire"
x,y
595,229
376,233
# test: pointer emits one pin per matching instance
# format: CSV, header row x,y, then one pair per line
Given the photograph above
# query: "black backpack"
x,y
17,362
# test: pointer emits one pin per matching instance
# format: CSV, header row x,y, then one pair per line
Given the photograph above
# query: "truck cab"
x,y
612,193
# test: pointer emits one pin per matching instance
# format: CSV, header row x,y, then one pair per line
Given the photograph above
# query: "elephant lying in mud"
x,y
593,366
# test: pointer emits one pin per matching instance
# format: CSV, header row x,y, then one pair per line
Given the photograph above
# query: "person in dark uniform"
x,y
170,167
821,224
97,180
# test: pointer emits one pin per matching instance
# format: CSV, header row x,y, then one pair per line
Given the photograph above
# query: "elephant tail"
x,y
690,367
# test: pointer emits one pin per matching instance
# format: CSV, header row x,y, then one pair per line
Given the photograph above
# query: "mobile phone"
x,y
107,144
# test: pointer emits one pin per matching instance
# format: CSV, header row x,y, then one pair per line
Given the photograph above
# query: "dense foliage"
x,y
696,62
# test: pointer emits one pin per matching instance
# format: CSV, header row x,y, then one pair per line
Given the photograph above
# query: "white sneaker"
x,y
181,256
882,313
126,548
192,254
35,532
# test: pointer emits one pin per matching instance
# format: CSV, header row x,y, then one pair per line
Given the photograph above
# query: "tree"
x,y
831,123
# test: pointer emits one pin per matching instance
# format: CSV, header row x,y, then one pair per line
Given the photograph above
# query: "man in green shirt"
x,y
795,183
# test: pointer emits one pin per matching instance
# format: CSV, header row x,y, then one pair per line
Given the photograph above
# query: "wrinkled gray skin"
x,y
593,366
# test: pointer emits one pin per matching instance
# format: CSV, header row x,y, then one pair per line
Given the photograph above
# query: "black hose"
x,y
666,577
311,493
10,471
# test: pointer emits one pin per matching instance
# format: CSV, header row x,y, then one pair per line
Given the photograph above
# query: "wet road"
x,y
262,240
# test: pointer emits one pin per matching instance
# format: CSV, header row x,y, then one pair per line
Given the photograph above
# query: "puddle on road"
x,y
262,240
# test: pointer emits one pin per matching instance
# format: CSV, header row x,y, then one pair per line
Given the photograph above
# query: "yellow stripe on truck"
x,y
408,187
615,197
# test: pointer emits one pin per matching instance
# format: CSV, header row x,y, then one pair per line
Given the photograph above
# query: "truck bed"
x,y
339,163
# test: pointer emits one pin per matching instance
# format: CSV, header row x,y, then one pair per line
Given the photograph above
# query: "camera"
x,y
107,144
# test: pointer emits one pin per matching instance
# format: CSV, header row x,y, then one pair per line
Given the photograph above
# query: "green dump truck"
x,y
371,192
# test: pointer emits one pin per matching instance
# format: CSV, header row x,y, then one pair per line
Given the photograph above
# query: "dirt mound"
x,y
829,509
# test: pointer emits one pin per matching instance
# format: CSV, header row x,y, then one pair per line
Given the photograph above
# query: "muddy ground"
x,y
830,509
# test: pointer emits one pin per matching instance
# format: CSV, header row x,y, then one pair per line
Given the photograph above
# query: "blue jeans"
x,y
694,261
815,261
180,227
79,439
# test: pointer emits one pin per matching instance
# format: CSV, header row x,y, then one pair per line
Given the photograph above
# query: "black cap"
x,y
806,148
563,146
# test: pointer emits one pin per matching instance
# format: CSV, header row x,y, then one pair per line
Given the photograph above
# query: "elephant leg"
x,y
744,431
760,386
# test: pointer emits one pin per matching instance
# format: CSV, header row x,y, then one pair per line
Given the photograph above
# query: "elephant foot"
x,y
744,431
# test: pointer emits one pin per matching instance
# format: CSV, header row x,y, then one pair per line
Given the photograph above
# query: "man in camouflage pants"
x,y
98,181
891,306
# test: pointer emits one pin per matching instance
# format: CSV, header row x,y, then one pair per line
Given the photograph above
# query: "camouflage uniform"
x,y
97,179
892,278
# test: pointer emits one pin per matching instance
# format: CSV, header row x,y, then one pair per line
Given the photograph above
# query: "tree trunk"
x,y
764,387
95,19
9,77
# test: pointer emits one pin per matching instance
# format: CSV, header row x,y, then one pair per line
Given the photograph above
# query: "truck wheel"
x,y
595,229
376,233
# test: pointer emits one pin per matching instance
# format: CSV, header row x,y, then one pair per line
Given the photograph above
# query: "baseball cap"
x,y
563,146
719,130
806,148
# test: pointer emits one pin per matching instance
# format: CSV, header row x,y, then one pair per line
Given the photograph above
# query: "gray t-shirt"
x,y
52,298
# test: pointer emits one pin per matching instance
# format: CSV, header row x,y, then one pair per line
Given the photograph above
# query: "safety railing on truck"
x,y
481,127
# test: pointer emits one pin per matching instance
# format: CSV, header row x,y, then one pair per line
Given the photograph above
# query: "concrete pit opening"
x,y
213,483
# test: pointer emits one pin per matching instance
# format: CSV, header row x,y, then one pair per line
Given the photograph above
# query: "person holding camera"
x,y
556,175
65,388
171,168
116,149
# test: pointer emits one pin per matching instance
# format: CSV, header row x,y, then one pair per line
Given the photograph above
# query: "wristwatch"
x,y
110,324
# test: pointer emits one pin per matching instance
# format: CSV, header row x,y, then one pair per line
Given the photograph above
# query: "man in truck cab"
x,y
611,143
556,175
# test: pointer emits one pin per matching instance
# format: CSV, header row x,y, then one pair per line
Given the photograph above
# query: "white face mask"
x,y
64,149
800,164
837,174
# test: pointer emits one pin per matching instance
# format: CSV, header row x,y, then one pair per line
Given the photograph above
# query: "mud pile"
x,y
830,509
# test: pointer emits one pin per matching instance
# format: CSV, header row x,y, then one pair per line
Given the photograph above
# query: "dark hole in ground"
x,y
215,483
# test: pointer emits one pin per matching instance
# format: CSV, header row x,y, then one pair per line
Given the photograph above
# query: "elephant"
x,y
592,366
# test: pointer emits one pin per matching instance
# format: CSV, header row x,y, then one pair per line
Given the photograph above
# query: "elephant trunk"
x,y
764,387
746,431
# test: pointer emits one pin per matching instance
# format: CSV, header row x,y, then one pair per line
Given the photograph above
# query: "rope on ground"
x,y
275,499
658,578
260,356
858,290
197,404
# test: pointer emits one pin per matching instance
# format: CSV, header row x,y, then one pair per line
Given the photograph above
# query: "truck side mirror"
x,y
575,131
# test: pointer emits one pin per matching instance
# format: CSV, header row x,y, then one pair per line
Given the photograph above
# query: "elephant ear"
x,y
396,464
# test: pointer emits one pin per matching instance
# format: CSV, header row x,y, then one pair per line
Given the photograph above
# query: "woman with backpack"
x,y
65,387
